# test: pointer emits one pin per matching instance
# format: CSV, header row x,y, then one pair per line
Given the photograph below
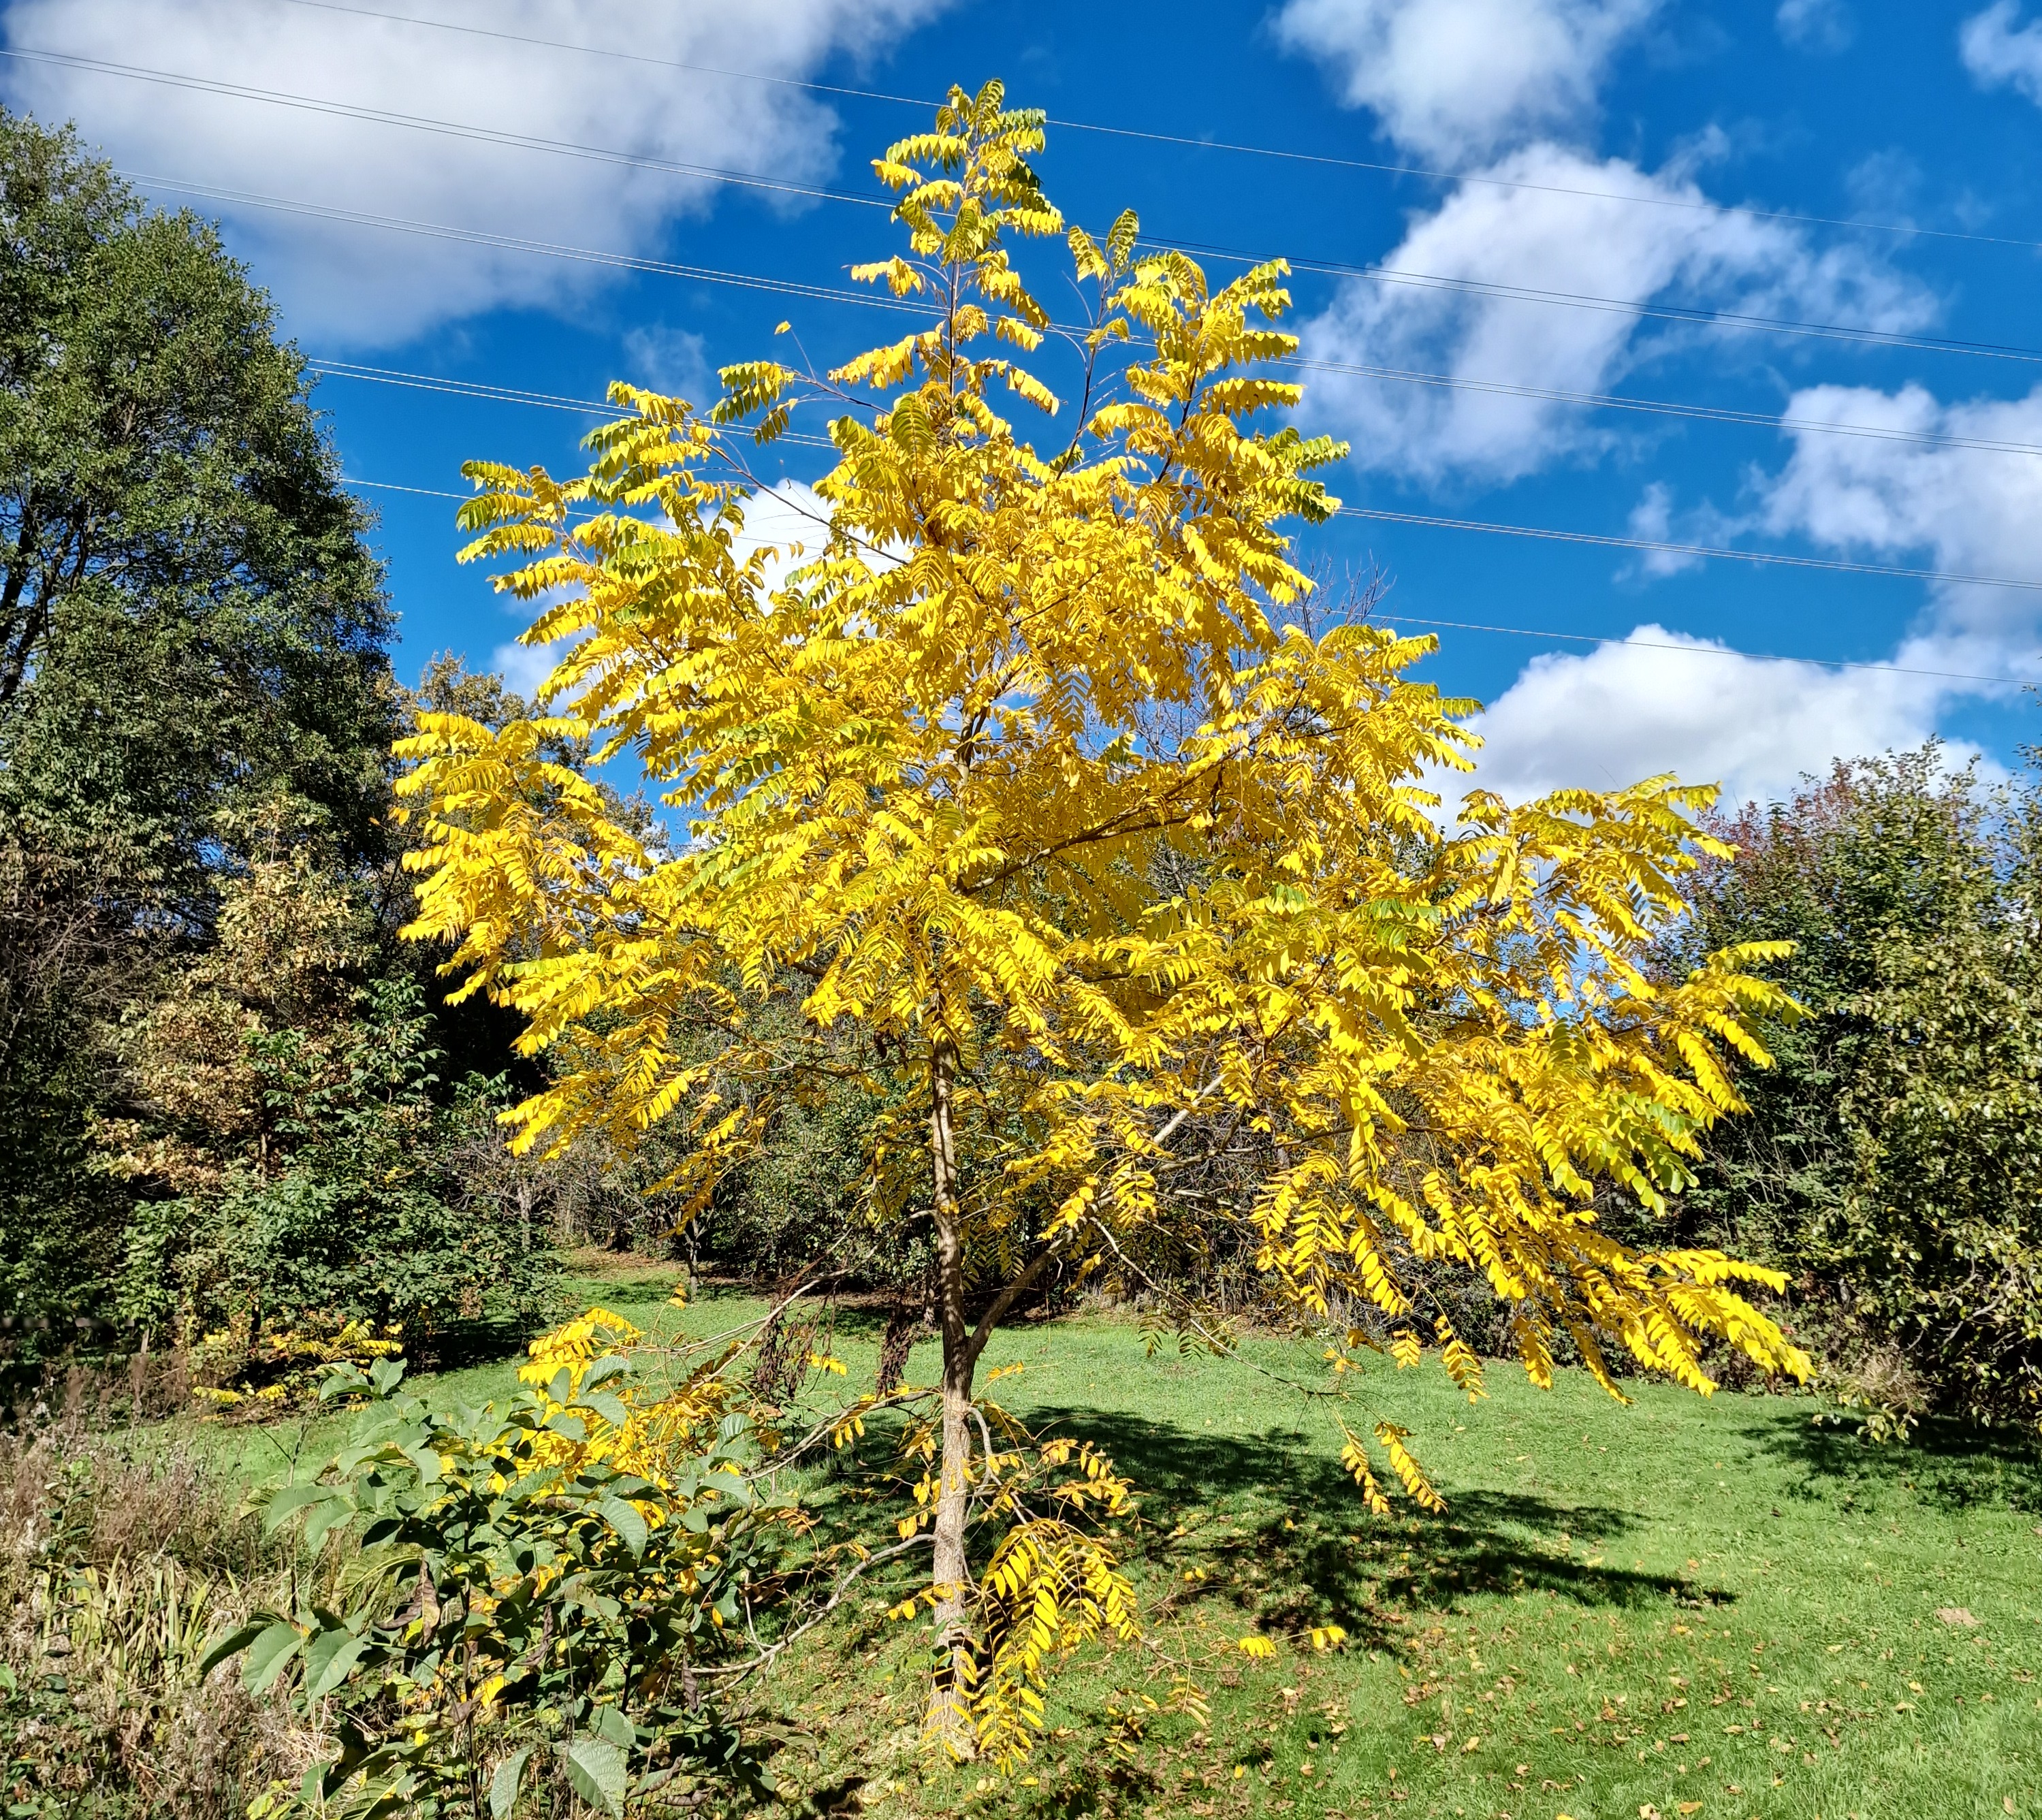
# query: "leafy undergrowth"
x,y
1681,1609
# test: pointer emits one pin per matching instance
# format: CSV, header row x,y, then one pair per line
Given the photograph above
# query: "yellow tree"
x,y
1023,774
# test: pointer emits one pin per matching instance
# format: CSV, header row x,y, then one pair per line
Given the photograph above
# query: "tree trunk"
x,y
949,1716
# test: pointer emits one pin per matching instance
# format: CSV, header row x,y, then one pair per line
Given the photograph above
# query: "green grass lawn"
x,y
1684,1608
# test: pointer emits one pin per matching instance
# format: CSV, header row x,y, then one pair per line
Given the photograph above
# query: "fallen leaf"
x,y
1955,1615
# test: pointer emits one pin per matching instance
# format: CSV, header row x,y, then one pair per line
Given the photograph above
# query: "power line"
x,y
490,394
511,243
1671,407
1666,407
513,395
1625,306
1781,558
1378,274
1539,632
449,129
1778,559
1636,642
1189,142
460,388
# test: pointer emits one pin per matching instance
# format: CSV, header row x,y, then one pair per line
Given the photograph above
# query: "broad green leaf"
x,y
626,1521
339,1379
231,1645
503,1784
288,1502
327,1517
329,1658
598,1772
268,1654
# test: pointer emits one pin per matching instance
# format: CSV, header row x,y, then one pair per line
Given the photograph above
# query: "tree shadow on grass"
x,y
1293,1547
1954,1466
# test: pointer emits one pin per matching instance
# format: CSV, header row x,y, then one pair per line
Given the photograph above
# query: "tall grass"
x,y
122,1556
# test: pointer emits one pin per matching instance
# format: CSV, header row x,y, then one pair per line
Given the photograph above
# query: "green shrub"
x,y
529,1592
1891,1162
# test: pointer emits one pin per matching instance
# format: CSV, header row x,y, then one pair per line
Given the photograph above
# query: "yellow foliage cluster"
x,y
1052,1584
625,1421
936,770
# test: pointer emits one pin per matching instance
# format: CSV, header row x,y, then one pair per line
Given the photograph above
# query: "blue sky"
x,y
1806,234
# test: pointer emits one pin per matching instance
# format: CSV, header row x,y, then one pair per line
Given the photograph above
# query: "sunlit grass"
x,y
1683,1608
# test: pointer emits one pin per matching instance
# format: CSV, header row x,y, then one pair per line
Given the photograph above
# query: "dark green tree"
x,y
193,632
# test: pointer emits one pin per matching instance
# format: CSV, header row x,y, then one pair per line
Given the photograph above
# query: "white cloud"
x,y
1552,237
673,361
1815,25
1634,709
525,667
1627,710
363,286
1652,520
1455,79
1998,55
1969,510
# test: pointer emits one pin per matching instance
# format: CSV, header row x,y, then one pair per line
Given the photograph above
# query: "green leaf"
x,y
597,1773
288,1502
330,1516
385,1375
339,1380
610,1408
626,1521
268,1654
329,1659
426,1460
611,1723
232,1644
503,1784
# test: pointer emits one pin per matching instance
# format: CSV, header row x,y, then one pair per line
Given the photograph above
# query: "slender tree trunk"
x,y
949,1717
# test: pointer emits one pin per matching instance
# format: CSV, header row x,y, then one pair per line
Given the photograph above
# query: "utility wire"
x,y
1533,632
449,129
1705,650
1189,142
515,243
1666,407
1837,564
1378,274
1623,306
1712,414
873,299
1778,559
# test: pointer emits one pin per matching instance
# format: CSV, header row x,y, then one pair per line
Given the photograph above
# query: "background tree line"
x,y
232,1102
